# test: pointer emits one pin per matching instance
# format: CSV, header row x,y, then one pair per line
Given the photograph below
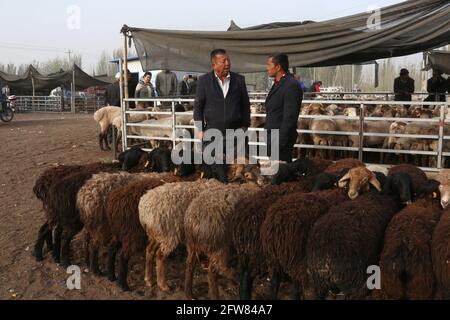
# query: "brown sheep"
x,y
441,256
41,190
122,214
245,222
285,230
345,241
348,163
207,231
406,267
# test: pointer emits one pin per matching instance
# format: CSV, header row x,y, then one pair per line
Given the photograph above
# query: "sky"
x,y
41,30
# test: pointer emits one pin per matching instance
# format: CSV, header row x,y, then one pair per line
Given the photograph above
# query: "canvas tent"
x,y
439,60
402,29
34,82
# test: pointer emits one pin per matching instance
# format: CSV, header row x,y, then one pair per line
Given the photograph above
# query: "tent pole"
x,y
424,74
33,88
353,78
73,89
125,68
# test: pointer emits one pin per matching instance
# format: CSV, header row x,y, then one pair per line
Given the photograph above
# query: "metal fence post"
x,y
123,107
441,135
361,132
173,125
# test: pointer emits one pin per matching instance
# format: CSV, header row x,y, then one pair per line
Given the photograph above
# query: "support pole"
x,y
353,78
73,89
122,108
34,91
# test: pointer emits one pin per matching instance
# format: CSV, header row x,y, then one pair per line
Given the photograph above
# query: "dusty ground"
x,y
30,144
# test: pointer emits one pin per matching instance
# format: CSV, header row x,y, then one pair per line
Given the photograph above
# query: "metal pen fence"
x,y
88,104
361,133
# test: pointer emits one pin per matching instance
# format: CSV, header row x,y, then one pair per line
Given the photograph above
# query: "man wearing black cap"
x,y
403,86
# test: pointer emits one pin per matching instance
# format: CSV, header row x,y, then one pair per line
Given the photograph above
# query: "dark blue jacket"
x,y
283,105
217,112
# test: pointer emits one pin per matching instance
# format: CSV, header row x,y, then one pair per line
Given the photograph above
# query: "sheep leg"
x,y
189,273
296,291
42,236
275,285
150,254
123,272
100,141
57,244
112,251
246,282
93,263
213,287
66,238
160,270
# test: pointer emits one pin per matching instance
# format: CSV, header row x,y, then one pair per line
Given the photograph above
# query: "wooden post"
x,y
73,89
34,91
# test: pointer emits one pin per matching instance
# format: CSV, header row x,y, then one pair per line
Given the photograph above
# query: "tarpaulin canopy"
x,y
439,60
43,84
402,29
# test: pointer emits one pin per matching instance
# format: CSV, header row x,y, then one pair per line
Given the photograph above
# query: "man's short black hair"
x,y
404,72
282,60
217,52
148,73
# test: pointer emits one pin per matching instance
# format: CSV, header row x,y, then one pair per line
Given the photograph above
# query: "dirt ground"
x,y
30,144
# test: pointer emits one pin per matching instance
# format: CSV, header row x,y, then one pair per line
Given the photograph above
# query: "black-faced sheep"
x,y
207,231
406,265
161,214
418,177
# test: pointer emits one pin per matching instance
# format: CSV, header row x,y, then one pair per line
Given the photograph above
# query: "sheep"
x,y
62,207
406,267
133,157
41,190
161,214
444,188
375,168
105,117
397,127
121,211
131,118
418,177
349,237
245,223
441,256
285,229
348,163
207,232
91,201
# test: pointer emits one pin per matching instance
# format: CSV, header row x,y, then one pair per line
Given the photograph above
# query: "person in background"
x,y
437,86
403,86
193,85
184,86
283,106
301,83
166,83
112,94
145,90
132,83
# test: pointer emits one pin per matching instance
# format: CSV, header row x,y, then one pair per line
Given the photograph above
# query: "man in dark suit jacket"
x,y
403,86
282,106
184,86
221,100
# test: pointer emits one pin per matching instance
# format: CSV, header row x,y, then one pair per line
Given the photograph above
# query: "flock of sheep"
x,y
315,223
110,117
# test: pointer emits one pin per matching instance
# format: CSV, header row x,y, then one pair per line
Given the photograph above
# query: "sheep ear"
x,y
344,180
147,164
202,174
374,182
247,176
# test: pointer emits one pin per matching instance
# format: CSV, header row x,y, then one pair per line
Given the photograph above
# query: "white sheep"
x,y
105,117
